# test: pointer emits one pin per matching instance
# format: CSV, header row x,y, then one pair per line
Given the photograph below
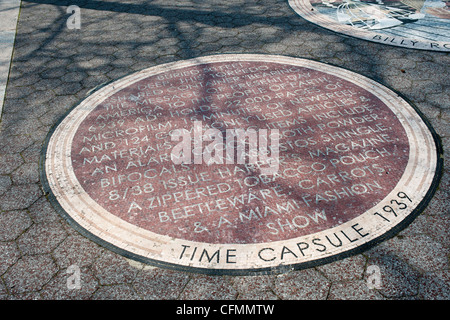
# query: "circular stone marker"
x,y
421,24
341,163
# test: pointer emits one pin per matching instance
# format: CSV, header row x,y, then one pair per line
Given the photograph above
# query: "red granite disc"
x,y
349,168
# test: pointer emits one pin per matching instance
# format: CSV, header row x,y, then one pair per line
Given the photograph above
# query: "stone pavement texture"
x,y
53,67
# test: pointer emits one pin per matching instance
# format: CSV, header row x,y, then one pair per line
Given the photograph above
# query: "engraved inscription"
x,y
341,150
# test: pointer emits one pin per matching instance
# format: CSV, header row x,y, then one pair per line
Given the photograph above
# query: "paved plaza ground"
x,y
53,67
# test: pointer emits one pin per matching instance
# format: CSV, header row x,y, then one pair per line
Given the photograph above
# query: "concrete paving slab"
x,y
9,13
